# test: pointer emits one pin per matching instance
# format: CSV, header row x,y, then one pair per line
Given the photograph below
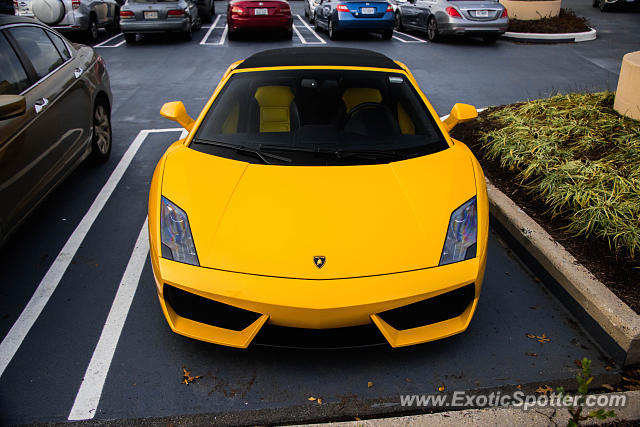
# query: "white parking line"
x,y
108,40
322,41
88,397
415,39
213,27
16,335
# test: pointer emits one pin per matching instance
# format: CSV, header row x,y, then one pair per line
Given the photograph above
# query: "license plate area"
x,y
368,10
482,13
151,15
262,11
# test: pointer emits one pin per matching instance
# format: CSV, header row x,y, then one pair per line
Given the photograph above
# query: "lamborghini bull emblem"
x,y
319,261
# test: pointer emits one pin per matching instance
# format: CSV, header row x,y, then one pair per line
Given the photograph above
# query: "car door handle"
x,y
40,104
78,72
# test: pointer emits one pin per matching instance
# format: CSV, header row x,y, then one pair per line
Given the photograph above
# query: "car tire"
x,y
91,34
490,39
101,133
289,34
306,12
433,34
232,35
208,15
316,26
312,17
130,37
604,7
398,22
387,34
333,34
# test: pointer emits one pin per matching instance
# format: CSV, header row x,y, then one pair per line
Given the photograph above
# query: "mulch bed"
x,y
620,274
565,22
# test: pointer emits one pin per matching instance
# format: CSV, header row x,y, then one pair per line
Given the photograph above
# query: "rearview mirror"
x,y
460,113
175,111
12,106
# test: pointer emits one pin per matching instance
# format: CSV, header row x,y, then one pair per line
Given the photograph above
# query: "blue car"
x,y
338,16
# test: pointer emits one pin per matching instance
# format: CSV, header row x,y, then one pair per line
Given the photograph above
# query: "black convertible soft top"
x,y
318,56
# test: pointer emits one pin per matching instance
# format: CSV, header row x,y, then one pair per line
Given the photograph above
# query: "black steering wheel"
x,y
363,106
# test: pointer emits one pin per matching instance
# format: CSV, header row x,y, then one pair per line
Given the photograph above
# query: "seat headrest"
x,y
357,95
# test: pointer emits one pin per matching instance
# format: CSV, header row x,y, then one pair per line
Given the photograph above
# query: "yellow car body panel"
x,y
257,227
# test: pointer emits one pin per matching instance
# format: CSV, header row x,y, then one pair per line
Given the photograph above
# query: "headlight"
x,y
175,233
462,234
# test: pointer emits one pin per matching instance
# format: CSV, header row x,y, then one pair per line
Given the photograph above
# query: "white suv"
x,y
73,15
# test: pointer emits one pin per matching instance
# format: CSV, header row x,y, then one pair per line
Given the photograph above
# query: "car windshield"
x,y
318,117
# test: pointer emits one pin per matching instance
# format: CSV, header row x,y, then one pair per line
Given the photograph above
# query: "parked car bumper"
x,y
283,22
346,21
173,25
470,28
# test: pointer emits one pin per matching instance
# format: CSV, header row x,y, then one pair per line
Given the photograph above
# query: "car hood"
x,y
273,220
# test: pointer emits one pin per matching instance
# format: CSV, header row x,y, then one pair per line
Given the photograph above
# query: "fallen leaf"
x,y
441,388
357,419
540,338
608,387
370,384
519,386
409,380
578,363
187,378
532,354
312,398
319,401
544,390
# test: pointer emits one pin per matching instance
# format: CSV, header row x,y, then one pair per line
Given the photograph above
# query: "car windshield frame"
x,y
334,145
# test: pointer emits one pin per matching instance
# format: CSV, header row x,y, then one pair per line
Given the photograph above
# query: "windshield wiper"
x,y
337,153
242,149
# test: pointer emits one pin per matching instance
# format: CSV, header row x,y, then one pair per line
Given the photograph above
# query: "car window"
x,y
41,52
13,78
310,110
60,45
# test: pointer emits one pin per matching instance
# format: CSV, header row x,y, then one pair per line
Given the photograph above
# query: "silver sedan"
x,y
159,16
483,18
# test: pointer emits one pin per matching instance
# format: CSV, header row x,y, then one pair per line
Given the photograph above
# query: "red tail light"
x,y
75,4
389,8
285,10
504,13
176,13
127,14
453,12
342,8
237,10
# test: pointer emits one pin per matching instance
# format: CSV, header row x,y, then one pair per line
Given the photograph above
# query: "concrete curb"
x,y
500,416
551,38
616,318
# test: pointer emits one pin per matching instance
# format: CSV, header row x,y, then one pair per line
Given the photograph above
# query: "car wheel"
x,y
92,31
130,37
306,12
433,34
387,34
333,34
312,17
603,6
316,26
208,14
490,39
101,134
289,34
232,35
398,22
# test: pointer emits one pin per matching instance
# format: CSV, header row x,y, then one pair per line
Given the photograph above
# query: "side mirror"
x,y
460,113
175,111
12,106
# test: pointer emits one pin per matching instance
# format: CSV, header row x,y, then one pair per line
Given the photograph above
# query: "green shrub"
x,y
580,157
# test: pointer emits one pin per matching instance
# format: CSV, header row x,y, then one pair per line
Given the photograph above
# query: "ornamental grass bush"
x,y
578,156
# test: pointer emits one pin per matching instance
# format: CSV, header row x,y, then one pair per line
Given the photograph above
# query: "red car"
x,y
267,14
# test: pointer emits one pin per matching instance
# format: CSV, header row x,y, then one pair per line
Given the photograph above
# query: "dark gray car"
x,y
483,18
159,16
55,104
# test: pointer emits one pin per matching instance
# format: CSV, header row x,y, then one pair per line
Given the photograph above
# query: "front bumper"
x,y
180,25
276,22
318,304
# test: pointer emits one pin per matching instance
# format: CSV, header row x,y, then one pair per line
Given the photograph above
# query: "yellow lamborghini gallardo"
x,y
318,201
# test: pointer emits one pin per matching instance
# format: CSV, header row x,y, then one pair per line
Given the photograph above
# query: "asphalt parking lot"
x,y
81,245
